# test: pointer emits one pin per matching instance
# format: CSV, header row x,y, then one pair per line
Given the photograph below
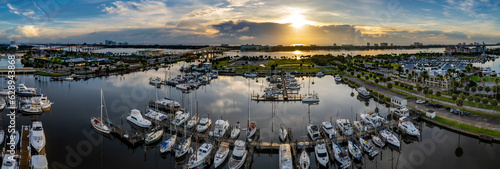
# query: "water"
x,y
289,54
70,136
4,63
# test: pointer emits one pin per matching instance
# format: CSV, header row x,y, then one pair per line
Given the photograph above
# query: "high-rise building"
x,y
368,44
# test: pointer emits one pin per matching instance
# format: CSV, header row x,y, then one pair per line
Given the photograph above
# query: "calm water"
x,y
67,127
332,52
4,62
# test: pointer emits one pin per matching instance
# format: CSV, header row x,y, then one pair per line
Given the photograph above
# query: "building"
x,y
335,44
224,45
347,45
376,44
150,53
417,44
367,44
398,101
251,47
384,44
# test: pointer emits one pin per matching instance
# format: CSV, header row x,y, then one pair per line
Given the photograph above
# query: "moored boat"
x,y
221,154
153,136
328,128
313,131
204,124
368,147
201,156
321,153
305,161
168,144
354,150
285,157
345,126
136,118
37,136
239,155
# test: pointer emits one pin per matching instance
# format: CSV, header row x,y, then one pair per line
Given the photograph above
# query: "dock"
x,y
251,149
25,153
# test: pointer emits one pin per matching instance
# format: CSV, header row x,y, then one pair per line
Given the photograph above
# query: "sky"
x,y
266,22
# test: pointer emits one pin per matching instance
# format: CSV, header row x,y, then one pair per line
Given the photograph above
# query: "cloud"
x,y
246,37
237,3
244,29
28,31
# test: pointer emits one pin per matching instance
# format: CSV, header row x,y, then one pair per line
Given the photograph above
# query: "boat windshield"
x,y
321,154
237,157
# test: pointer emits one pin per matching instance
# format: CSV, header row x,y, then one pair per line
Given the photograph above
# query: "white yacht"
x,y
201,156
168,144
180,118
328,128
155,81
310,98
183,86
69,78
313,131
167,102
136,118
192,122
360,127
183,147
2,136
22,90
372,120
345,126
221,154
487,70
39,162
368,147
2,103
363,92
153,136
285,157
4,92
321,153
155,114
16,137
377,141
9,162
354,150
293,86
341,156
305,161
221,127
98,122
338,78
37,136
239,155
389,137
235,132
39,101
204,124
407,127
401,111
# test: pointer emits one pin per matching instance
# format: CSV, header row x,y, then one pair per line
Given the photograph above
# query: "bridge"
x,y
76,48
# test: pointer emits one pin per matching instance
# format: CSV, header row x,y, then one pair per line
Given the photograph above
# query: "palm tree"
x,y
440,78
425,75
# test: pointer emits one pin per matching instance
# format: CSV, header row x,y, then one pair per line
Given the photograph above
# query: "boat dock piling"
x,y
251,150
25,153
327,144
293,147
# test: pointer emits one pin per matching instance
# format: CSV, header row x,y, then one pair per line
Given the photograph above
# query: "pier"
x,y
25,153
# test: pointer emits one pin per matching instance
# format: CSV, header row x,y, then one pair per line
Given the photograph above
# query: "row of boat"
x,y
37,142
187,82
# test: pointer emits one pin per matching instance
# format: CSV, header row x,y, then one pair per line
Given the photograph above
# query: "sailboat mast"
x,y
101,106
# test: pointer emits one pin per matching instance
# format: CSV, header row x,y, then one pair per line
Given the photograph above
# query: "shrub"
x,y
410,87
459,102
438,93
473,89
396,83
480,88
470,98
389,85
419,88
477,99
454,97
494,102
462,96
487,89
376,80
485,100
359,76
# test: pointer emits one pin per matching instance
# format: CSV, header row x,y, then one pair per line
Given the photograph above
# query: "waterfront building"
x,y
251,47
150,53
384,44
398,101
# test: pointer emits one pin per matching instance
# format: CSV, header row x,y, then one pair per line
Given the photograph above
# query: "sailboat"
x,y
310,98
168,144
252,126
235,132
305,162
153,136
283,133
98,123
354,150
183,148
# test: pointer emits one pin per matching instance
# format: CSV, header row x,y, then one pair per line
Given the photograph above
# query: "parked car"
x,y
420,101
435,105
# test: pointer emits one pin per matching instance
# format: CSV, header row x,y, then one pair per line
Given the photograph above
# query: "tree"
x,y
485,100
477,99
470,98
494,102
480,88
487,89
459,102
461,96
438,93
473,89
483,80
389,85
400,69
454,97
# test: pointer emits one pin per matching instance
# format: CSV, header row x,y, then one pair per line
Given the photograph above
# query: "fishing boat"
x,y
368,147
328,128
321,153
168,103
221,127
193,121
389,137
153,136
180,118
401,111
201,156
377,141
345,126
239,155
338,78
358,126
407,127
221,154
285,157
204,124
37,136
168,144
304,160
363,92
98,122
155,114
354,150
183,147
372,120
136,118
9,161
235,132
38,162
341,156
313,131
283,133
31,109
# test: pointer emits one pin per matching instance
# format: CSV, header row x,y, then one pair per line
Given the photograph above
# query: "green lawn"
x,y
49,74
467,103
468,127
402,88
488,78
286,64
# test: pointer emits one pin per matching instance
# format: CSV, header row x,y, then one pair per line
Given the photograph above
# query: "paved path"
x,y
492,123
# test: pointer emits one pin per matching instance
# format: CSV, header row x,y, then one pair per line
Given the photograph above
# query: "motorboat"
x,y
328,128
486,70
368,147
201,156
304,160
214,74
320,74
377,141
321,153
192,122
338,78
183,86
345,126
69,78
168,144
493,73
155,81
250,75
252,128
183,147
363,92
221,154
354,150
221,127
153,136
285,157
401,111
372,120
167,102
180,118
40,101
31,109
239,155
136,118
16,137
155,114
203,79
389,137
407,127
293,86
341,156
235,132
9,162
204,124
98,122
283,133
313,98
22,90
39,162
358,126
313,131
37,136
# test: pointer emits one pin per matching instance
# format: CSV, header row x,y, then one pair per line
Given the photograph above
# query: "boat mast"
x,y
101,106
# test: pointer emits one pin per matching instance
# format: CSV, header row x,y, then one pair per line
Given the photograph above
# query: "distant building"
x,y
109,42
251,47
367,44
347,45
150,53
375,44
224,45
12,42
335,44
417,44
384,44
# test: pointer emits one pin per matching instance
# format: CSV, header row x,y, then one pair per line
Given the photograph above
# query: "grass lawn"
x,y
467,103
402,88
488,78
467,127
49,74
286,64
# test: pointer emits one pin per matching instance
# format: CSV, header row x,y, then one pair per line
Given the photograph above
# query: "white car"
x,y
420,101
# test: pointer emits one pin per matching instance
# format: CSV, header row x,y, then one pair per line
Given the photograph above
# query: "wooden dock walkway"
x,y
251,149
25,153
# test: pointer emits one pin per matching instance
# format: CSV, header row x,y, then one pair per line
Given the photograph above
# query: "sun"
x,y
297,20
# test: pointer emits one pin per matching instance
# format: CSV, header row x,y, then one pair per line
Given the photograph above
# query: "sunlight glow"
x,y
297,52
297,20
